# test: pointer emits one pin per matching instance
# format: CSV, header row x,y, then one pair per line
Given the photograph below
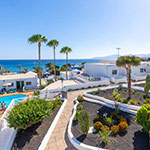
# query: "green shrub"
x,y
139,102
121,118
97,118
105,135
120,87
115,94
69,90
137,93
133,92
148,79
125,101
98,126
142,117
80,98
144,101
36,93
89,86
56,103
98,90
29,112
147,88
79,106
104,90
109,121
84,121
143,95
132,101
124,92
94,86
77,114
147,100
93,92
82,88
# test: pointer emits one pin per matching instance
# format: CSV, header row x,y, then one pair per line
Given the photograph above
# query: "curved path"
x,y
59,139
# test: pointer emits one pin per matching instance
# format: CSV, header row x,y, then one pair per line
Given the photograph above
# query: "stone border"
x,y
50,130
111,102
77,144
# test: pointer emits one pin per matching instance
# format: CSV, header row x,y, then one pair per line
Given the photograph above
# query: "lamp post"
x,y
118,51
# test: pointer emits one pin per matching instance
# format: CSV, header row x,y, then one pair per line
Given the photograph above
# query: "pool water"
x,y
7,99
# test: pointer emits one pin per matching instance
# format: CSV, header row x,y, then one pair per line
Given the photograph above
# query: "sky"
x,y
92,28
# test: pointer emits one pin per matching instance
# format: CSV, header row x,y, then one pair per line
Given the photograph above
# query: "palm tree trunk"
x,y
39,46
54,64
67,66
129,81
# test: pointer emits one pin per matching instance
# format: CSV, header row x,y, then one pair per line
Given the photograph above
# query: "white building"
x,y
108,69
19,81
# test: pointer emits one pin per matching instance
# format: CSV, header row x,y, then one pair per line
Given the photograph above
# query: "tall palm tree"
x,y
25,70
127,62
66,50
38,38
54,44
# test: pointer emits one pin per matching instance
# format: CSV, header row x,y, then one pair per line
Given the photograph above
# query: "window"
x,y
12,84
114,72
28,83
141,70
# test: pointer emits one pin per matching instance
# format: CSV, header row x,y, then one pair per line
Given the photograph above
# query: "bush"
x,y
123,125
26,113
98,126
144,101
115,94
93,92
82,88
142,117
137,93
114,129
69,90
104,90
89,86
109,121
84,121
139,102
147,100
56,103
132,101
77,114
121,118
79,106
147,88
125,101
80,98
98,90
97,118
133,92
124,92
114,114
36,93
105,136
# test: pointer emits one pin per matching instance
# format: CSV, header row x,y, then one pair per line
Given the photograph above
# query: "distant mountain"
x,y
115,56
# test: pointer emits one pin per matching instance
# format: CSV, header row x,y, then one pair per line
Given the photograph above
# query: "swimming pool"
x,y
7,99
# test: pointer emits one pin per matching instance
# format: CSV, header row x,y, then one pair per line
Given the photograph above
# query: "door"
x,y
18,84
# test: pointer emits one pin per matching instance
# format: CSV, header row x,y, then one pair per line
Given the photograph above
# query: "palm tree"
x,y
38,38
25,70
19,66
127,62
66,50
49,66
36,70
54,44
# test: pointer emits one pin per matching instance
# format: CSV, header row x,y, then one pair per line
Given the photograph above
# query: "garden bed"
x,y
31,138
138,97
133,138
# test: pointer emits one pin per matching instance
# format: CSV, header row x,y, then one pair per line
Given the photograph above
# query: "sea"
x,y
12,65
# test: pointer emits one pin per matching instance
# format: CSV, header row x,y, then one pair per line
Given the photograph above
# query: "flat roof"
x,y
16,76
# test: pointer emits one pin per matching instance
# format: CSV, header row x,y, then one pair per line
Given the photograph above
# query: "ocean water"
x,y
12,65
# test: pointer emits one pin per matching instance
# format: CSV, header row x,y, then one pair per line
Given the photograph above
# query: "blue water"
x,y
12,64
7,99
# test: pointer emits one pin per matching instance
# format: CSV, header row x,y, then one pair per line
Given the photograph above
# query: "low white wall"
x,y
50,130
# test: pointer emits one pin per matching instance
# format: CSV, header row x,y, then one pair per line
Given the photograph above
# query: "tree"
x,y
49,66
25,70
0,68
54,44
19,66
66,50
38,38
36,70
84,121
126,62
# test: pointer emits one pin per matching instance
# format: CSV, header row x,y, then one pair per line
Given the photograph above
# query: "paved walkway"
x,y
57,139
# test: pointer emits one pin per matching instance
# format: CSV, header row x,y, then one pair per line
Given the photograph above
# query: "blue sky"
x,y
91,28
